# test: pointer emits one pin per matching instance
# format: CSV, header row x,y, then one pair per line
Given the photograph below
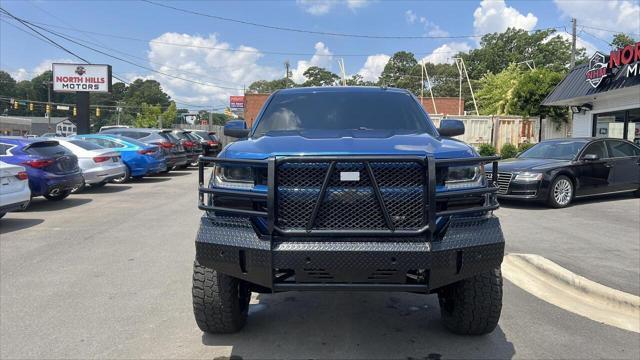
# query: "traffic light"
x,y
75,112
97,112
30,106
48,108
16,105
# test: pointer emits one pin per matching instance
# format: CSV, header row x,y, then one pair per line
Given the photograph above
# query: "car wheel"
x,y
220,302
124,178
560,192
472,306
57,194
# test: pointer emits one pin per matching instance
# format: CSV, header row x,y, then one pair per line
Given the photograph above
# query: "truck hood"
x,y
347,142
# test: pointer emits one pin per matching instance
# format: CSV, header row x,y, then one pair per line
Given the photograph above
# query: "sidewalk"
x,y
597,238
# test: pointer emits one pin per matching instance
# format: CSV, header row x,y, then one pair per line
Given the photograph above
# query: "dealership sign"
x,y
602,66
81,77
236,102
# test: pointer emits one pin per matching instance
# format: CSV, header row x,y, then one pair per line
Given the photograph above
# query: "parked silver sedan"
x,y
98,164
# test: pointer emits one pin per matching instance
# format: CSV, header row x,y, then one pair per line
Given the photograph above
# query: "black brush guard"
x,y
429,195
388,258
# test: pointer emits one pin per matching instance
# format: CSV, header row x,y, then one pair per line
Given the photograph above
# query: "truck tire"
x,y
220,302
472,306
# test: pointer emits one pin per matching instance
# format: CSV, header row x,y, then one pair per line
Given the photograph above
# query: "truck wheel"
x,y
472,306
560,192
220,302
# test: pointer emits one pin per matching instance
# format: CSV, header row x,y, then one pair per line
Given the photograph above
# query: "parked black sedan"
x,y
557,171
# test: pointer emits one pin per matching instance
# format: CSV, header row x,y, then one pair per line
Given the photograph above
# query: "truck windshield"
x,y
384,110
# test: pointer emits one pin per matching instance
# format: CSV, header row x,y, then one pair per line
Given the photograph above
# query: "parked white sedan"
x,y
14,188
98,164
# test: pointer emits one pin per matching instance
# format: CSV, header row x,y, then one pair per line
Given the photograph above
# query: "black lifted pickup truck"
x,y
344,189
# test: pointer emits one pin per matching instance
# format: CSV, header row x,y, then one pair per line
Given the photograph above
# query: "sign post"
x,y
82,79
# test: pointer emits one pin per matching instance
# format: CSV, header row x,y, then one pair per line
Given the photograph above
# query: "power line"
x,y
121,59
305,31
609,30
595,37
218,48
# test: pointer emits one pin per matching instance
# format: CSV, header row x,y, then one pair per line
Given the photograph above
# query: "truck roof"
x,y
341,89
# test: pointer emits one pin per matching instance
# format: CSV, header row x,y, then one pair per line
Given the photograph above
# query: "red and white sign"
x,y
236,102
81,77
601,66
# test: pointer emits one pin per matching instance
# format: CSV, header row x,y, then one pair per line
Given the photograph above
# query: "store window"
x,y
623,124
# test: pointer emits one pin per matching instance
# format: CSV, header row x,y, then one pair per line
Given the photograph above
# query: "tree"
x,y
317,76
358,80
267,87
170,115
495,96
498,50
148,116
147,92
7,84
532,88
621,40
402,71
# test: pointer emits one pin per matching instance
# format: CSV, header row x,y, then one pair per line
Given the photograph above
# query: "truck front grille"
x,y
350,204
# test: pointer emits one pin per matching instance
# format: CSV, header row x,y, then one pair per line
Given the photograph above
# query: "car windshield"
x,y
326,110
561,150
86,145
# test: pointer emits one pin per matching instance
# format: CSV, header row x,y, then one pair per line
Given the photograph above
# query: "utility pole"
x,y
286,71
573,42
119,109
48,113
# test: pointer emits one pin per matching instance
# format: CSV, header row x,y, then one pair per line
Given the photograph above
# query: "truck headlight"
x,y
463,177
233,177
528,177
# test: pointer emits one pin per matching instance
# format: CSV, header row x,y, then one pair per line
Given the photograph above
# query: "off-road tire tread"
x,y
216,301
478,304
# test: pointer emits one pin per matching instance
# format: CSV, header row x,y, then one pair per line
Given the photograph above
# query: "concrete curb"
x,y
561,287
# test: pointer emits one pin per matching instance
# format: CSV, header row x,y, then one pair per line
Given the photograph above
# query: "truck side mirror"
x,y
451,127
590,157
236,129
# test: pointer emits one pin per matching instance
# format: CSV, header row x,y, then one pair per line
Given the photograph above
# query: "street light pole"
x,y
48,112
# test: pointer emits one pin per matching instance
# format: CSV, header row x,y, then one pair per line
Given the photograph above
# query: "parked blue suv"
x,y
348,188
141,159
52,169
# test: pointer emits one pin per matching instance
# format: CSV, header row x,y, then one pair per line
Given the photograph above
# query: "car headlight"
x,y
528,177
463,177
233,177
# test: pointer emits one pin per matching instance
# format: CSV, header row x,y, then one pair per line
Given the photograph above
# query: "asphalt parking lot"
x,y
107,274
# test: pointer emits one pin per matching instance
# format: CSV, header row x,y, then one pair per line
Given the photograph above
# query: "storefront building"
x,y
604,95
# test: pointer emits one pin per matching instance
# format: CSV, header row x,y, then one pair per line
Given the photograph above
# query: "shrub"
x,y
524,146
508,151
486,150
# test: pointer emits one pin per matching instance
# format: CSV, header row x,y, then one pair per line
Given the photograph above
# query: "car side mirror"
x,y
590,157
236,129
451,127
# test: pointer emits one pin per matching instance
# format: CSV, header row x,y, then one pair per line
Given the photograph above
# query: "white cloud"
x,y
373,67
435,30
24,74
495,16
410,16
623,16
321,58
444,53
322,7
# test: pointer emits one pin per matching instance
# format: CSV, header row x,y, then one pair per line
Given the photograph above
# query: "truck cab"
x,y
348,188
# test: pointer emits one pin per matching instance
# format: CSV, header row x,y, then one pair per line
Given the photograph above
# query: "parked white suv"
x,y
14,188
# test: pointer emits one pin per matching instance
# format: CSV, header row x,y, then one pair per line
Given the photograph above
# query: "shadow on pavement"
x,y
149,180
41,204
354,326
175,173
106,189
535,205
8,224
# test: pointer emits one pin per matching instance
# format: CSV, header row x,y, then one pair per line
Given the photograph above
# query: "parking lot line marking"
x,y
558,286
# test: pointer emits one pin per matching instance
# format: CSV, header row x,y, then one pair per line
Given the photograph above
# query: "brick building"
x,y
445,105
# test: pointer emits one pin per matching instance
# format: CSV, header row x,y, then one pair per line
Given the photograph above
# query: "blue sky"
x,y
197,47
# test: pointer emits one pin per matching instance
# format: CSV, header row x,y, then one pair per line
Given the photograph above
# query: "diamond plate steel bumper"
x,y
466,247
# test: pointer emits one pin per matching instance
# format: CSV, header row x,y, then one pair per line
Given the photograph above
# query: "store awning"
x,y
575,90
